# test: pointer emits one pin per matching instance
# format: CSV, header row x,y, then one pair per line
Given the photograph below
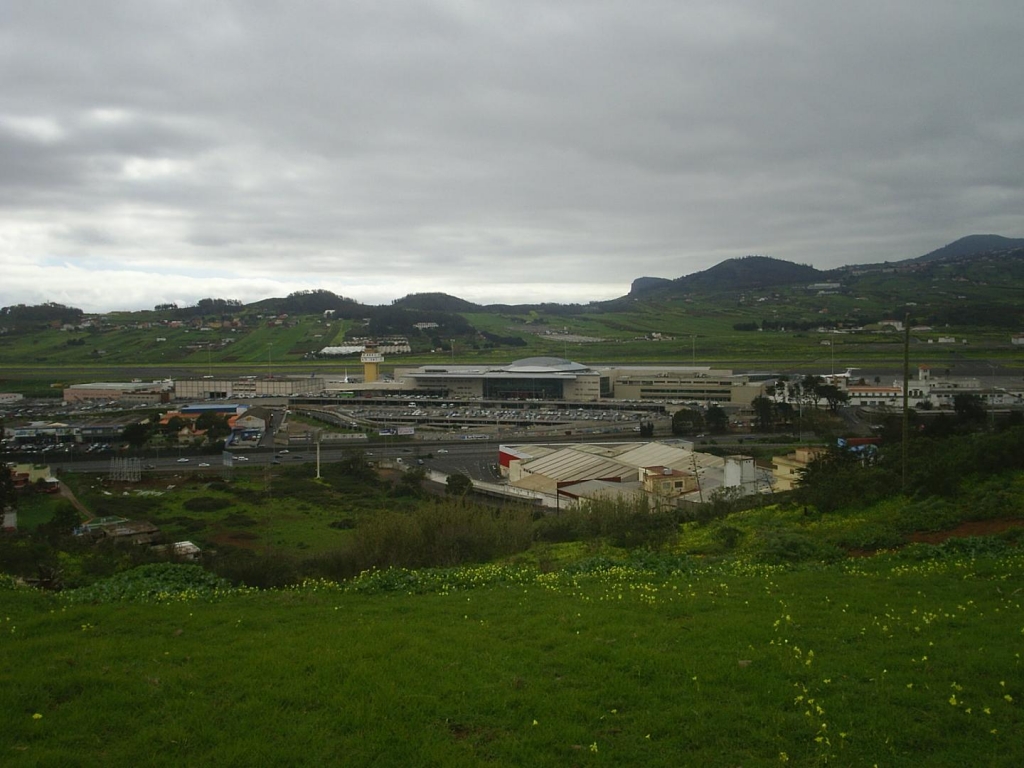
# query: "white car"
x,y
183,461
203,464
241,458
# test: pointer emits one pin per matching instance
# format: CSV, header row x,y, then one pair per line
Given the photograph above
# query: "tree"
x,y
687,421
458,484
764,413
173,426
136,434
840,479
833,395
809,389
215,424
969,408
62,523
411,482
717,419
8,496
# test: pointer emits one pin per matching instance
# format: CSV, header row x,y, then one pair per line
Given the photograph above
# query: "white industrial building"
x,y
664,471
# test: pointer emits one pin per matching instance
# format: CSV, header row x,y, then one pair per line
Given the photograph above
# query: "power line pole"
x,y
906,398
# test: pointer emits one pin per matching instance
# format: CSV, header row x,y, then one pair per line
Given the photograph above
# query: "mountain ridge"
x,y
739,273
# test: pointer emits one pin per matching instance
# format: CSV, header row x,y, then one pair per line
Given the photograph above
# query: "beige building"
x,y
247,387
554,378
533,378
133,392
787,470
706,386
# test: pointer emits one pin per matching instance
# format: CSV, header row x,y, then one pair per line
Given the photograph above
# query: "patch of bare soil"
x,y
977,528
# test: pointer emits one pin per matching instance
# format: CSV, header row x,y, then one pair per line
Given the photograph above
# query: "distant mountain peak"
x,y
742,273
971,245
435,302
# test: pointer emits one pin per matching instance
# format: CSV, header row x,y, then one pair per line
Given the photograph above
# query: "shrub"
x,y
777,547
728,536
157,581
243,567
446,533
206,504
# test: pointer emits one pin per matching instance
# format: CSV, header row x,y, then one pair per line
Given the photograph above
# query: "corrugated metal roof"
x,y
570,464
594,461
602,489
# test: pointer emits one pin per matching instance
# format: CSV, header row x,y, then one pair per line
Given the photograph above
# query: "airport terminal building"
x,y
554,378
532,378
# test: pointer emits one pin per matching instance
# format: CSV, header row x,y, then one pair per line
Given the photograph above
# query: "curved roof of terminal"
x,y
544,365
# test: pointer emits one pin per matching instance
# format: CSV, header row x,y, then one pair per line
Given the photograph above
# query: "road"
x,y
477,459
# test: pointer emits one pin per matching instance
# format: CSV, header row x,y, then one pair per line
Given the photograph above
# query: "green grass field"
x,y
611,635
285,509
978,306
887,662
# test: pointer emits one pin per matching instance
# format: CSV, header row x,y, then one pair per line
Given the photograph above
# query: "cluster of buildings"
x,y
665,473
931,391
534,378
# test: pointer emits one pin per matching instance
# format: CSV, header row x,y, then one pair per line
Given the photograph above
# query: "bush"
x,y
157,581
206,504
777,547
559,528
728,536
243,567
446,533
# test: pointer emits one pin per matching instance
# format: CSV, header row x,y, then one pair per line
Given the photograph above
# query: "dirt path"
x,y
66,493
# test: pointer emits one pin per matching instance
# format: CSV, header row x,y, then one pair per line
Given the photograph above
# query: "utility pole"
x,y
696,474
318,454
906,398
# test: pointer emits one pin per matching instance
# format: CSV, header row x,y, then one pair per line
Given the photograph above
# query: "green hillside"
x,y
873,616
757,311
889,662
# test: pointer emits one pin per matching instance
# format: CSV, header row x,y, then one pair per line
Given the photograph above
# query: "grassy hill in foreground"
x,y
742,638
889,661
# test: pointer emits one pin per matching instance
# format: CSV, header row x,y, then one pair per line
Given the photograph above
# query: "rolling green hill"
x,y
743,310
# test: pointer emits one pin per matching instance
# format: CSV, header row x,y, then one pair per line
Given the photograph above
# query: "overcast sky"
x,y
498,151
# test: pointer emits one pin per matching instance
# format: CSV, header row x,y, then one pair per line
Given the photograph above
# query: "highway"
x,y
476,459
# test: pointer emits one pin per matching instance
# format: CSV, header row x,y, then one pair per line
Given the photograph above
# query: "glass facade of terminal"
x,y
522,389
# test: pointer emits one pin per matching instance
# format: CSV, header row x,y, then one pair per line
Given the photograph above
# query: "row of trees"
x,y
694,421
936,466
213,425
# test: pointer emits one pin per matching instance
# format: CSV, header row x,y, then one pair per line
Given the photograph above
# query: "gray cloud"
x,y
499,151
